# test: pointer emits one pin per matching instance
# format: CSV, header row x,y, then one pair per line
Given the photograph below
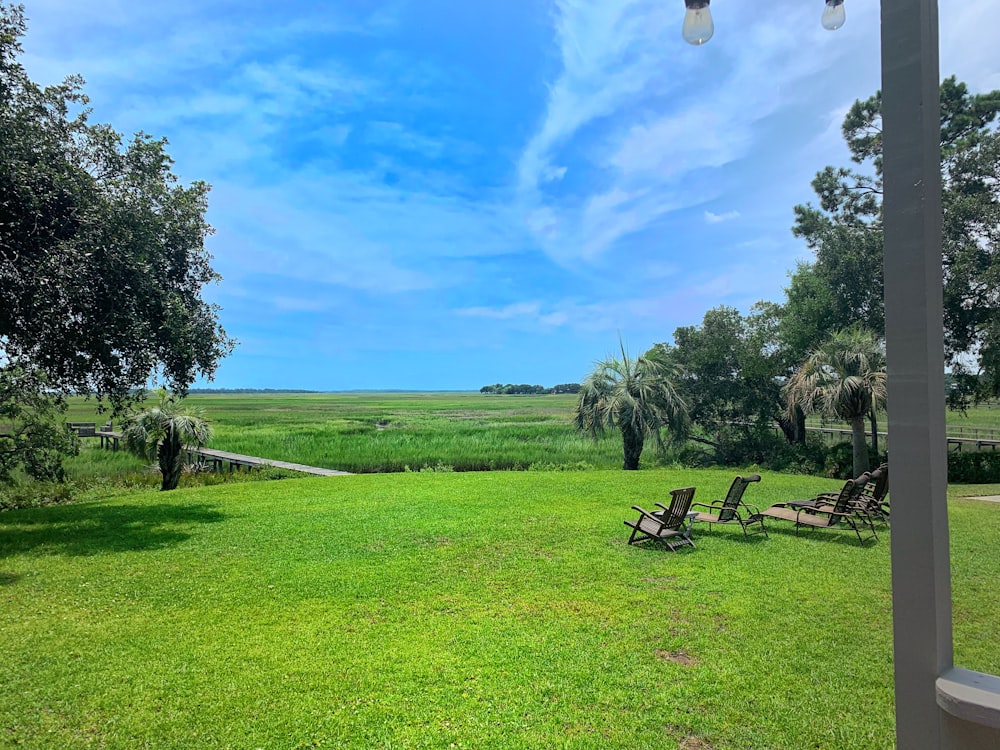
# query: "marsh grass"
x,y
96,473
489,610
365,433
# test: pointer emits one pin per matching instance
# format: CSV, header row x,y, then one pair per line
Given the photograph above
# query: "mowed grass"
x,y
393,432
486,610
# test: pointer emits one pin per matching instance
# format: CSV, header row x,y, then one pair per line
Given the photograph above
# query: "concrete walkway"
x,y
986,498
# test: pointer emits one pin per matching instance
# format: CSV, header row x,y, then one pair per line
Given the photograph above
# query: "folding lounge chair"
x,y
874,493
671,527
869,496
818,514
728,510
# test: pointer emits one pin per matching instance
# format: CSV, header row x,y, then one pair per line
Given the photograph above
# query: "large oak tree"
x,y
102,251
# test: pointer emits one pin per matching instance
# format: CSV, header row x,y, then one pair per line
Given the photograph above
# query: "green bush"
x,y
36,494
980,467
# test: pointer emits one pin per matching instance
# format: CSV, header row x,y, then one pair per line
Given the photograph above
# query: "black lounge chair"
x,y
670,526
869,496
875,492
818,513
728,510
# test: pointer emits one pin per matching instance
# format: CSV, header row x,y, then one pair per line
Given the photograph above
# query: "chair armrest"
x,y
753,509
703,505
647,514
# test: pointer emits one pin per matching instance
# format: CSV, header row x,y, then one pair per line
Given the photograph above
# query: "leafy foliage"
x,y
637,397
844,284
161,433
32,435
102,257
731,381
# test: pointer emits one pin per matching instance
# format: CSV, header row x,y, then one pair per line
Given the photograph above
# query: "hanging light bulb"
x,y
834,15
698,27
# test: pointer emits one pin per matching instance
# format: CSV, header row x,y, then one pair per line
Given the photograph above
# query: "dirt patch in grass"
x,y
677,657
694,743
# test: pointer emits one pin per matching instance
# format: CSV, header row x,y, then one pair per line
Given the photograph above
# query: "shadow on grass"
x,y
8,579
98,529
736,538
833,535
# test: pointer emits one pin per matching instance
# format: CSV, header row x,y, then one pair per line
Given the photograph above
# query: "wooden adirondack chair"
x,y
671,526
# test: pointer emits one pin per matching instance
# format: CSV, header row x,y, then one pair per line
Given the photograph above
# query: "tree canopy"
x,y
730,379
843,285
102,252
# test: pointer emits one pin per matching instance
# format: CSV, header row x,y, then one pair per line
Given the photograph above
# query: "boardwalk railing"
x,y
979,438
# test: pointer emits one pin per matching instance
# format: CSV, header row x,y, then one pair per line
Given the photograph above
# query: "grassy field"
x,y
392,432
453,610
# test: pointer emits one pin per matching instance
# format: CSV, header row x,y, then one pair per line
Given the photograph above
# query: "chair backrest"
x,y
735,495
851,491
878,485
680,503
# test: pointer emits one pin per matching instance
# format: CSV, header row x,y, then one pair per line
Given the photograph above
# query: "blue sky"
x,y
441,194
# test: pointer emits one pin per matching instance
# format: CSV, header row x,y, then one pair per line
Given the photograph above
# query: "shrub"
x,y
36,495
980,467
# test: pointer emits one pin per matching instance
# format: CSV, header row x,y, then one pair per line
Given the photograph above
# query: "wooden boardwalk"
x,y
954,443
220,459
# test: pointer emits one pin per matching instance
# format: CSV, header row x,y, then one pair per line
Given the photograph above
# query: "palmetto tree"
x,y
636,396
161,433
844,379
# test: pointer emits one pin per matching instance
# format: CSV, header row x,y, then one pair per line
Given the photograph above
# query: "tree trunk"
x,y
171,459
794,427
632,441
874,421
860,445
787,427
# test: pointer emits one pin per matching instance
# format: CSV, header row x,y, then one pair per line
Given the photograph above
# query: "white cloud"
x,y
552,174
714,218
515,310
350,230
652,117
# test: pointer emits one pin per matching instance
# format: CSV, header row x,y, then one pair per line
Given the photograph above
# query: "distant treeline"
x,y
526,390
217,391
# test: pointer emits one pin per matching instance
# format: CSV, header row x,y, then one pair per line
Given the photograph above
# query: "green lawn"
x,y
453,610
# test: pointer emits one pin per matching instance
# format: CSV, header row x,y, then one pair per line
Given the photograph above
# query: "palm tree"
x,y
161,433
844,379
636,396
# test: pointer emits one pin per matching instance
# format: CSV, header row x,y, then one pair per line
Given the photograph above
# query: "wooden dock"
x,y
219,460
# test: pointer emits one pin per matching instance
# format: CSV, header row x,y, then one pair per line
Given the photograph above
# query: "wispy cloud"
x,y
516,310
714,218
622,114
